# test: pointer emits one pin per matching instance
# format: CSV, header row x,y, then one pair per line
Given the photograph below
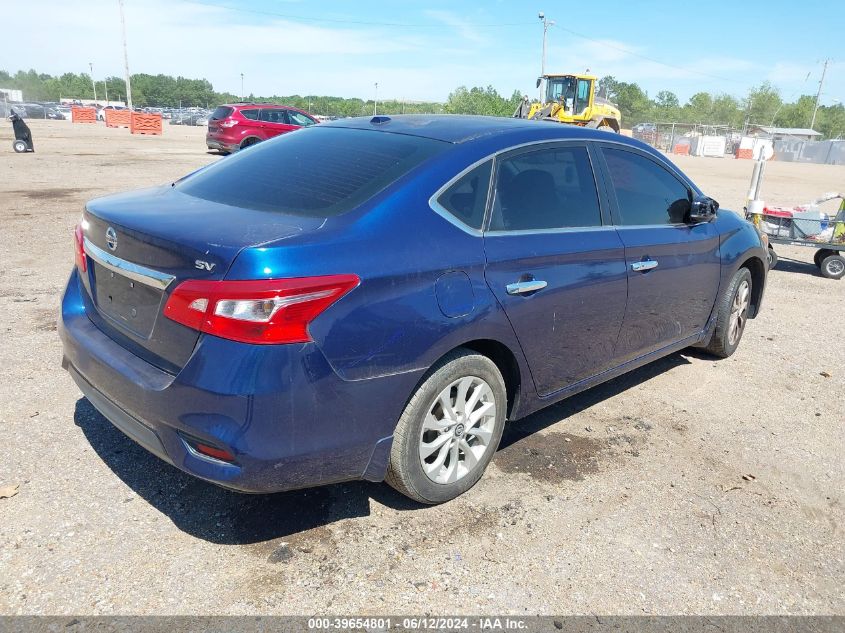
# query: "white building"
x,y
10,94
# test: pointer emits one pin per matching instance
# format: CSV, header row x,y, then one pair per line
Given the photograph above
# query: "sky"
x,y
423,50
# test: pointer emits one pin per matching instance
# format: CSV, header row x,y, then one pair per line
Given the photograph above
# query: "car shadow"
x,y
520,429
217,515
789,265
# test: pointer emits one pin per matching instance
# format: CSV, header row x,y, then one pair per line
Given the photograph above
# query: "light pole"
x,y
93,83
125,57
546,25
242,86
375,101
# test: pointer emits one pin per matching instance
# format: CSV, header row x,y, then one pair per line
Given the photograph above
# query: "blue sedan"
x,y
374,298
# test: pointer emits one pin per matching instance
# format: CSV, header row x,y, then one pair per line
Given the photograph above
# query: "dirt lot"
x,y
689,486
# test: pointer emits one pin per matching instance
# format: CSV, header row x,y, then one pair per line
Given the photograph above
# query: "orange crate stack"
x,y
118,118
145,123
83,115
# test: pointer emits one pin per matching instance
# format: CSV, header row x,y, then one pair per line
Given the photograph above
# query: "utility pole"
x,y
106,86
546,25
819,93
242,86
125,57
93,83
375,101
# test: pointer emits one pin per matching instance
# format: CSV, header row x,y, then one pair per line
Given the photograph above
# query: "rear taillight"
x,y
79,248
259,311
229,123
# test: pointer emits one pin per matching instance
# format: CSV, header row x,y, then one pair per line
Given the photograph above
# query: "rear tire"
x,y
248,142
821,254
20,147
833,266
449,430
732,314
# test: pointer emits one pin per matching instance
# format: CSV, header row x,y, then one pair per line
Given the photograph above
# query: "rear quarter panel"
x,y
393,322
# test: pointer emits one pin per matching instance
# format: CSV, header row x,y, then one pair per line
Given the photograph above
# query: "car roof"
x,y
258,105
458,128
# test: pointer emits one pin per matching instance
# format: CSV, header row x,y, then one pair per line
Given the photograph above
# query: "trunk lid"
x,y
142,244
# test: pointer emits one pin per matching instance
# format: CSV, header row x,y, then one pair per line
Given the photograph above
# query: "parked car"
x,y
236,126
374,298
101,112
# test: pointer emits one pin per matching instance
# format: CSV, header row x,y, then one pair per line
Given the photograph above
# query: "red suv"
x,y
233,127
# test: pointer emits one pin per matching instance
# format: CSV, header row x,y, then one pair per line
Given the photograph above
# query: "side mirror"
x,y
539,81
703,209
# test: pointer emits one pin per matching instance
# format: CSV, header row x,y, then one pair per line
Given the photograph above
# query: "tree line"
x,y
762,105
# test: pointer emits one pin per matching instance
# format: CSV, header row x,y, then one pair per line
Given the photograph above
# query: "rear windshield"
x,y
315,172
221,112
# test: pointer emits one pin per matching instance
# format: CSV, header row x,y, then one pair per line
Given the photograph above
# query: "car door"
x,y
555,263
274,121
672,266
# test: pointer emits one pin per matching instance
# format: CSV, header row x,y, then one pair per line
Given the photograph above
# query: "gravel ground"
x,y
688,486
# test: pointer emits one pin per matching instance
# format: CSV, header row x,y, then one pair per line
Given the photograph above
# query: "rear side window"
x,y
221,112
318,172
252,113
274,115
466,199
550,188
646,192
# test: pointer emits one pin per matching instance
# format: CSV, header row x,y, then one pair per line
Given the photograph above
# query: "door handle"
x,y
525,287
641,267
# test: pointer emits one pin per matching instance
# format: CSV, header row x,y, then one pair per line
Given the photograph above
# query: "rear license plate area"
x,y
131,304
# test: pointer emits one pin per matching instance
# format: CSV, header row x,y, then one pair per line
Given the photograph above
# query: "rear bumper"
x,y
288,418
220,146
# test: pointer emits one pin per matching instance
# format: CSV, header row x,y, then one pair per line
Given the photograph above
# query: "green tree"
x,y
798,114
762,104
481,101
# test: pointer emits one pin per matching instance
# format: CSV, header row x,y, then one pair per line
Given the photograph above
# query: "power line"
x,y
307,18
646,57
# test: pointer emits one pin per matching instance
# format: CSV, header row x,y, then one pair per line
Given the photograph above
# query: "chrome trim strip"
x,y
564,229
437,208
136,272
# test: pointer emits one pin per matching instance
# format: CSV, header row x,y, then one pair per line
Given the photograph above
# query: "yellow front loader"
x,y
571,99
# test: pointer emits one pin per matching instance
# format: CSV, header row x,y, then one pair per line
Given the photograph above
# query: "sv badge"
x,y
204,265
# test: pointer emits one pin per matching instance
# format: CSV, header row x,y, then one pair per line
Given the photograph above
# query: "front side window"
x,y
646,192
549,188
297,118
466,199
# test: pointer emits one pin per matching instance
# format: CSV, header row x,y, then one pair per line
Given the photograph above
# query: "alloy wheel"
x,y
457,430
739,312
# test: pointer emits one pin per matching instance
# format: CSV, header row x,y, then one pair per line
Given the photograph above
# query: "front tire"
x,y
733,308
449,430
20,146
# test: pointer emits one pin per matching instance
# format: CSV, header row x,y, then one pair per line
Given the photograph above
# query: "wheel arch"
x,y
758,280
501,355
249,140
